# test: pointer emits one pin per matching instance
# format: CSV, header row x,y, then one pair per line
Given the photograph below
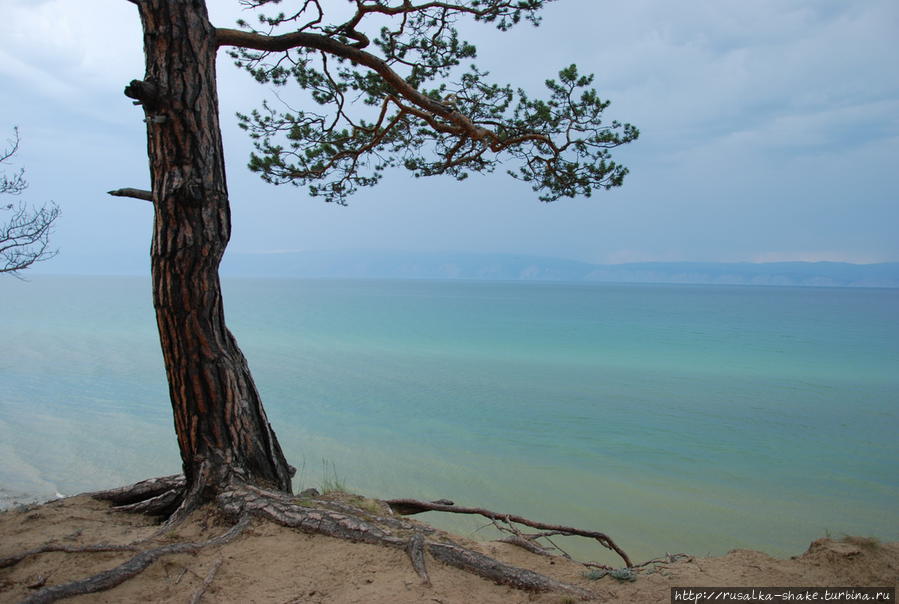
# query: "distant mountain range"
x,y
503,267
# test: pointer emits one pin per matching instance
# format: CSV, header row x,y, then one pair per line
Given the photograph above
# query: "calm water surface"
x,y
674,418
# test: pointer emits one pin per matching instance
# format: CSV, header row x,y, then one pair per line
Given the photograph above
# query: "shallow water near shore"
x,y
674,418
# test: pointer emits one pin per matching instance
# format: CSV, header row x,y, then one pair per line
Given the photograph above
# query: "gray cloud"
x,y
768,130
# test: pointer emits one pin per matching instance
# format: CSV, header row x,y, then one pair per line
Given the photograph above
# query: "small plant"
x,y
331,482
300,476
370,505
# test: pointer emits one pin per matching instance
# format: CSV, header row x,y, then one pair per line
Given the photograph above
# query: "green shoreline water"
x,y
688,418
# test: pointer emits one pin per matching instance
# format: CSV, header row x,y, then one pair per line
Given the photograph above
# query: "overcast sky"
x,y
769,131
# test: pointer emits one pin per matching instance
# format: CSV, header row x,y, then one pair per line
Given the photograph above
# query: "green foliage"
x,y
435,118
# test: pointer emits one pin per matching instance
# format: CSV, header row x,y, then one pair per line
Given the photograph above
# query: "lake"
x,y
689,418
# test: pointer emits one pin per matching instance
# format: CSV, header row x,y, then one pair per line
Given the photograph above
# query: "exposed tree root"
x,y
416,551
141,491
370,521
118,575
368,527
163,504
198,595
67,549
408,507
499,572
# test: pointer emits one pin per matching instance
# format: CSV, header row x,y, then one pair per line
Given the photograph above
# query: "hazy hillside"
x,y
403,265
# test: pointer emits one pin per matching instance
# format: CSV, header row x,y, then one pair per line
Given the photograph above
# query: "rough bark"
x,y
222,429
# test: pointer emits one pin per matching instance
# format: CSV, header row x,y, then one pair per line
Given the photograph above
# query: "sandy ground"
x,y
269,563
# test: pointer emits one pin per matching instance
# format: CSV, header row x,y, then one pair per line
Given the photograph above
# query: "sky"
x,y
769,132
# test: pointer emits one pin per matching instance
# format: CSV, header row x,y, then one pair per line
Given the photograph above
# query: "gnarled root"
x,y
118,575
416,551
67,549
167,497
371,522
357,524
153,497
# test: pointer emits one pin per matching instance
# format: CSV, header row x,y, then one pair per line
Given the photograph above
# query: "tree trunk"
x,y
222,429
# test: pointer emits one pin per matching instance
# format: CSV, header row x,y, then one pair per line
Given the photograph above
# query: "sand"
x,y
269,563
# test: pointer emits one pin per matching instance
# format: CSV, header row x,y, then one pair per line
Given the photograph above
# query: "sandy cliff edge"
x,y
270,563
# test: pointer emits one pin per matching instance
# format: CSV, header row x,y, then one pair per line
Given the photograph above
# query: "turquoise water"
x,y
674,418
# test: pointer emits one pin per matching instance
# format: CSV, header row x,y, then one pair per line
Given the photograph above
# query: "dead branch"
x,y
118,575
198,595
526,544
527,541
408,507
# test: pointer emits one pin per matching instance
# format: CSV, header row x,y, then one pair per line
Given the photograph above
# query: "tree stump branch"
x,y
144,93
131,192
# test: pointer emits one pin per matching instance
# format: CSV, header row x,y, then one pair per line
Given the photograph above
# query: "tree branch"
x,y
456,128
284,42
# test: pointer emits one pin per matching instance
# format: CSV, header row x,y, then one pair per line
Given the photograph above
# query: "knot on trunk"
x,y
145,92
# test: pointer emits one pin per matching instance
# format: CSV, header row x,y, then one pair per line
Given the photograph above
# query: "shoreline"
x,y
270,563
